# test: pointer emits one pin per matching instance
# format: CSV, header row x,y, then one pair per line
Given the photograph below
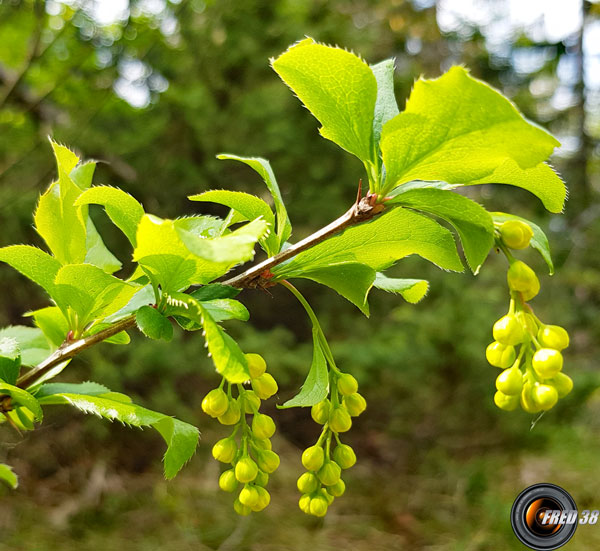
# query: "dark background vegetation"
x,y
156,89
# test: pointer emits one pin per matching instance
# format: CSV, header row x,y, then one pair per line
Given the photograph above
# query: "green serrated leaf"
x,y
226,354
97,252
125,211
249,207
263,167
33,263
215,290
8,476
473,223
59,222
386,107
539,241
412,290
230,249
460,130
143,297
350,279
90,292
181,438
177,265
88,387
378,244
153,324
83,174
10,359
540,180
66,160
52,322
338,88
32,344
23,398
316,386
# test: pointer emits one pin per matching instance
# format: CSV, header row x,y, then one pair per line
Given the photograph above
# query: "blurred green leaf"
x,y
8,476
23,398
386,107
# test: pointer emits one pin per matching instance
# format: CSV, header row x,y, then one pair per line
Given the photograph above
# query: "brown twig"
x,y
71,348
258,276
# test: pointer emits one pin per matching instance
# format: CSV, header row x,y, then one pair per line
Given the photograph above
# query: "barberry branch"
x,y
363,209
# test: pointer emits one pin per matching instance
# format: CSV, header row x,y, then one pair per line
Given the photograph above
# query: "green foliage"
x,y
122,208
181,438
454,131
153,324
458,129
8,476
411,290
263,167
33,347
23,398
316,386
472,222
10,360
338,88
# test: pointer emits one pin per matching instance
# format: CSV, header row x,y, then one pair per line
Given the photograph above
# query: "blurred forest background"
x,y
157,88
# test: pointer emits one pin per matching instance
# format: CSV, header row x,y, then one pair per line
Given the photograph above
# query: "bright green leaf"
x,y
181,438
162,251
539,241
33,263
249,207
59,223
10,359
350,279
386,107
153,324
412,290
263,167
540,180
97,252
226,354
8,476
52,322
316,386
90,292
379,243
32,343
460,130
23,398
215,290
125,211
473,223
120,338
88,387
338,88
